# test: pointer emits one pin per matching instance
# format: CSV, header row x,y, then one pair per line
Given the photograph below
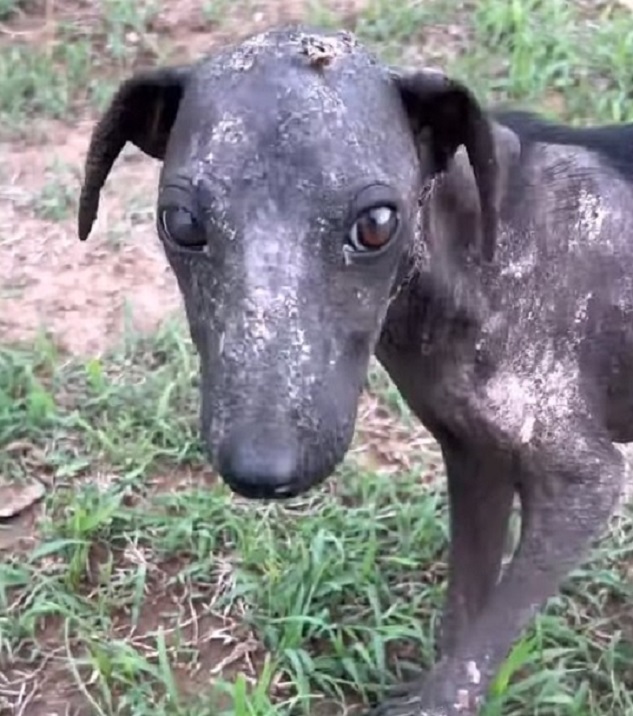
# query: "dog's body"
x,y
525,376
494,283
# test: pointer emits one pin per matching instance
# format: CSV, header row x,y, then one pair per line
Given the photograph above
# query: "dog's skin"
x,y
317,207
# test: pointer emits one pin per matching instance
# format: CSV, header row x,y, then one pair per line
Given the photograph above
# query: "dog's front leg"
x,y
481,492
569,482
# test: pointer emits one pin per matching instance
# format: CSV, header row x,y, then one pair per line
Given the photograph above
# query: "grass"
x,y
349,589
149,588
569,59
562,58
57,199
53,72
328,589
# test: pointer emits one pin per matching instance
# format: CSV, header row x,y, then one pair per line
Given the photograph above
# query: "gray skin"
x,y
500,300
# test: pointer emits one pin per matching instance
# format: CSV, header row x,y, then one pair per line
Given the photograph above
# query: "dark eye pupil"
x,y
182,228
375,227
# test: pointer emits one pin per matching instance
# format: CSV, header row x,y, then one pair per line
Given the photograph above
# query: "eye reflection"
x,y
374,228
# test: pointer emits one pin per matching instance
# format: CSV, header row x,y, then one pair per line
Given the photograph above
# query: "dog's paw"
x,y
405,706
429,699
406,700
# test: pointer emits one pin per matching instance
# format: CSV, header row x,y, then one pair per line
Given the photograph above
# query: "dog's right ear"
x,y
142,111
448,113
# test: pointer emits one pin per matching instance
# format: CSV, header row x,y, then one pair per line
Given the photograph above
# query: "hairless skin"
x,y
317,208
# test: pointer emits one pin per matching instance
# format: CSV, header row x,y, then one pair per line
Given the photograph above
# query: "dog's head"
x,y
292,167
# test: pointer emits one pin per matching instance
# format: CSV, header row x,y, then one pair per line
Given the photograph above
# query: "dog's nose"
x,y
259,468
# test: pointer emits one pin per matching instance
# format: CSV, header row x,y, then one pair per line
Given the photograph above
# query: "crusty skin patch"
x,y
322,51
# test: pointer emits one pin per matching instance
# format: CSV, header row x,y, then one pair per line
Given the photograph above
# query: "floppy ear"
x,y
450,115
142,111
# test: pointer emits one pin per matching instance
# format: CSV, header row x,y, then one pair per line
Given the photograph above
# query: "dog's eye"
x,y
374,228
182,228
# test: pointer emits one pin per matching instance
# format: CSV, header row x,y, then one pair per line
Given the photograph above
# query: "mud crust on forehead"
x,y
305,39
320,48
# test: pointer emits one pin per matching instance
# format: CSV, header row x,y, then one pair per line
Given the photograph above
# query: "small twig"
x,y
50,25
76,675
27,700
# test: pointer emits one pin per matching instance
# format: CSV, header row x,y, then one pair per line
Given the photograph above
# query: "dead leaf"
x,y
16,497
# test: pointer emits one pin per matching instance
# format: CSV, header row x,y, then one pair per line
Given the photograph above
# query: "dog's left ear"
x,y
445,115
142,112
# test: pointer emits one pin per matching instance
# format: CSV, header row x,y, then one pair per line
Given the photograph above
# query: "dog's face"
x,y
284,209
292,169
